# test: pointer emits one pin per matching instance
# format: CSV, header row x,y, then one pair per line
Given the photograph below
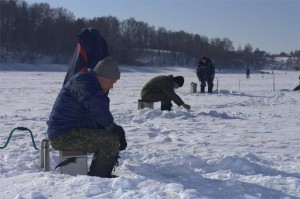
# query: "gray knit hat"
x,y
107,68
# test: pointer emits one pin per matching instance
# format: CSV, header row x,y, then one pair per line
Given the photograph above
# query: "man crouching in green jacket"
x,y
161,88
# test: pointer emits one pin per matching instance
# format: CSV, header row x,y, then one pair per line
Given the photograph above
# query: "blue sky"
x,y
270,25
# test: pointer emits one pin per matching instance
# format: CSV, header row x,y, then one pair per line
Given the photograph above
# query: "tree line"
x,y
38,30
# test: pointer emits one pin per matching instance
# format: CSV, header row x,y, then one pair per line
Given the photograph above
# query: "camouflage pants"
x,y
97,141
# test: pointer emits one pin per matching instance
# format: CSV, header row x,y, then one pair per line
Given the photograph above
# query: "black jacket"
x,y
205,70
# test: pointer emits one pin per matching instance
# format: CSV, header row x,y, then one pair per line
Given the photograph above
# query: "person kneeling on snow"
x,y
161,88
81,119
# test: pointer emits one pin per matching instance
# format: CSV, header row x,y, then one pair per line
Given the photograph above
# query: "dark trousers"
x,y
166,102
206,79
210,84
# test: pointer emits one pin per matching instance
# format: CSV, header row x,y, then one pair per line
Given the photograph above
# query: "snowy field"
x,y
243,141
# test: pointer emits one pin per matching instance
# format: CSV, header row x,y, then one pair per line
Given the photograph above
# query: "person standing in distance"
x,y
206,74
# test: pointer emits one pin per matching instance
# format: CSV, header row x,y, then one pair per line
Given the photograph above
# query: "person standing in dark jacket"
x,y
206,74
161,88
81,119
247,72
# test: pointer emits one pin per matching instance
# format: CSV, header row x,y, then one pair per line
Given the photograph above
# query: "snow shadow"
x,y
185,174
216,114
246,166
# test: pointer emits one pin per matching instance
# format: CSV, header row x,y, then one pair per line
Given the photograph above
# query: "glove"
x,y
186,106
122,139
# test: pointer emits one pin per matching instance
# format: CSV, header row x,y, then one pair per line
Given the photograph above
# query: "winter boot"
x,y
202,89
102,167
210,88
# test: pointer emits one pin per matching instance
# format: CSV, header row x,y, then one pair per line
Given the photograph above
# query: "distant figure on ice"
x,y
206,74
248,73
81,120
297,88
161,88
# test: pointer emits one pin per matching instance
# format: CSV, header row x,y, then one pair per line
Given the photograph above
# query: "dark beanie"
x,y
107,68
179,80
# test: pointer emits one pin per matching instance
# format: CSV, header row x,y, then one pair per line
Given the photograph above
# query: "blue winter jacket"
x,y
81,103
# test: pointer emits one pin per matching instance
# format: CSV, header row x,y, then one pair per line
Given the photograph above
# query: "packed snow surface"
x,y
242,141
